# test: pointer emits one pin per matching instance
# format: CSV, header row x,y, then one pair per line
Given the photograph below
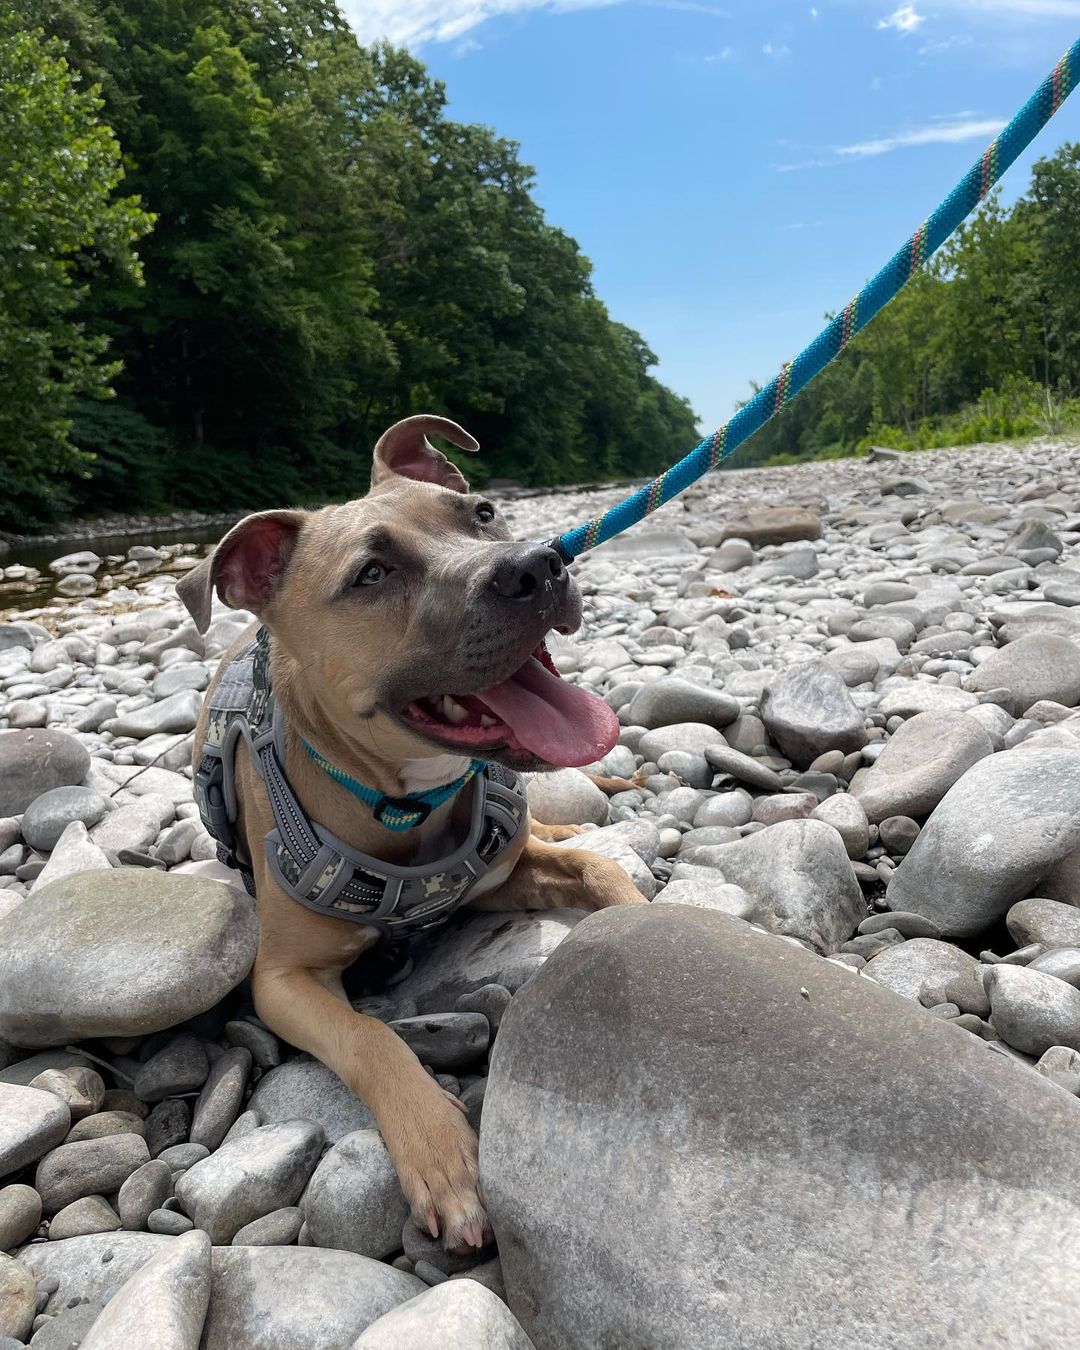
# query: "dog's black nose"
x,y
527,572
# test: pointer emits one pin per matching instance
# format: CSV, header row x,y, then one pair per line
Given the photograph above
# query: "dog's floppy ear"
x,y
246,566
406,451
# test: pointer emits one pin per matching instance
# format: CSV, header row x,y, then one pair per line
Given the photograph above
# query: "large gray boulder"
x,y
799,877
120,953
33,762
740,1126
807,710
999,830
921,761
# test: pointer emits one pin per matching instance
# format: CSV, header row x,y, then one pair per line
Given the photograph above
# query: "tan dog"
x,y
377,609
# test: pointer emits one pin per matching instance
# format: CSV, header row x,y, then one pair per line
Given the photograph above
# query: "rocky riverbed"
x,y
822,1092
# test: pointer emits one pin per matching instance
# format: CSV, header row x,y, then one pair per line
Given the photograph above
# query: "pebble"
x,y
279,1228
354,1201
922,760
142,1193
179,1066
446,1040
91,1214
20,1214
35,762
250,1177
93,1167
306,1089
82,1089
566,797
31,1123
1045,921
219,1101
455,1315
18,1299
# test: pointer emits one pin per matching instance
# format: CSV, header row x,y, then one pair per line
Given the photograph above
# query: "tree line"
x,y
983,345
235,245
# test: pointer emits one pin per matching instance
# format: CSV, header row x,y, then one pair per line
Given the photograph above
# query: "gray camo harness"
x,y
313,866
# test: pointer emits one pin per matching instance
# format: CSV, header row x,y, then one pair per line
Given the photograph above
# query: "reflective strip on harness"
x,y
310,864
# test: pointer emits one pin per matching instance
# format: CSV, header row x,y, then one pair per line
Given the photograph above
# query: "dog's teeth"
x,y
452,710
486,721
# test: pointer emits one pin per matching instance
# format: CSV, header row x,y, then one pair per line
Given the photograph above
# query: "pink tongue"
x,y
559,722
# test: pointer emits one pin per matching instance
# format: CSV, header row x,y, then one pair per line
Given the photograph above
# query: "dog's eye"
x,y
371,574
485,513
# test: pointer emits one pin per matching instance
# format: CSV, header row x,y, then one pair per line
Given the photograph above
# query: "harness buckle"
x,y
413,810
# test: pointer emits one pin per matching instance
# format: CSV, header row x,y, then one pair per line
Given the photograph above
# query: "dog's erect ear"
x,y
406,451
245,568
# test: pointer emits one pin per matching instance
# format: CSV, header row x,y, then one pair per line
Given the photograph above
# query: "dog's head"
x,y
412,616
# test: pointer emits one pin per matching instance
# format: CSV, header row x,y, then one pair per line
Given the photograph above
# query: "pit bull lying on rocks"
x,y
358,755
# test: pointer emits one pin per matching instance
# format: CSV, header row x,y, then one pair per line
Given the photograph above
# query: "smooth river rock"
x,y
728,1161
996,833
119,953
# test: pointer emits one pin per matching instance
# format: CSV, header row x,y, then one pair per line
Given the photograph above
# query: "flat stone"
x,y
996,832
31,1123
34,762
912,697
920,965
249,1177
305,1089
82,1089
279,1228
446,1041
135,825
354,1202
774,525
89,1268
48,816
481,949
694,738
163,1305
566,797
457,1315
771,1057
669,701
178,712
1061,1065
1041,666
91,1214
921,761
1063,963
92,1167
310,1296
117,953
743,768
180,1066
1047,921
799,877
807,710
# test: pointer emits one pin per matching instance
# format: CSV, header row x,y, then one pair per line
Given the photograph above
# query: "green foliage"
x,y
981,346
63,233
331,252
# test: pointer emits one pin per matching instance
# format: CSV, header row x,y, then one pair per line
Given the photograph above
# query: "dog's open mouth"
x,y
534,712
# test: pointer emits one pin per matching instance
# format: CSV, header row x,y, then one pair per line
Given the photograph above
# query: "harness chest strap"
x,y
310,864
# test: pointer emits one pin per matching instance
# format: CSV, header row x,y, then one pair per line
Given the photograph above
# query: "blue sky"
x,y
734,170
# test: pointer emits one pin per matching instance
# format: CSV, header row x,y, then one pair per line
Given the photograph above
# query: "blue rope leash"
x,y
396,813
877,293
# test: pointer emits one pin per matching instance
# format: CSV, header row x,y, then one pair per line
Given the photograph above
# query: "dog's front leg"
x,y
296,984
546,877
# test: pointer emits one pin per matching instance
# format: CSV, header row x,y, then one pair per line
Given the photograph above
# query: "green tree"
x,y
63,231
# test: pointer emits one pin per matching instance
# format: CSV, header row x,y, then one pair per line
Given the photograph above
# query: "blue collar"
x,y
396,813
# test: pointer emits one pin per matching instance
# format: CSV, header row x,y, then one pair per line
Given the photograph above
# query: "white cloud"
x,y
905,19
416,21
937,133
772,49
